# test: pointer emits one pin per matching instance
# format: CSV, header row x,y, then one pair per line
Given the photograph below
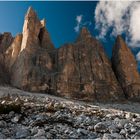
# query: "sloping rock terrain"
x,y
78,70
39,116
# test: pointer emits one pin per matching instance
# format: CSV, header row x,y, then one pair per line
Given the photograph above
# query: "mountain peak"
x,y
43,22
125,68
120,43
119,38
84,34
31,12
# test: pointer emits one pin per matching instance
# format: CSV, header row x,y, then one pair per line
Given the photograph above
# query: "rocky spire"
x,y
85,71
120,44
43,23
30,13
44,37
78,70
84,34
35,34
31,30
125,68
33,65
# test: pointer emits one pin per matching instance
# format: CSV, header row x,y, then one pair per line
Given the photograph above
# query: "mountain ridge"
x,y
77,70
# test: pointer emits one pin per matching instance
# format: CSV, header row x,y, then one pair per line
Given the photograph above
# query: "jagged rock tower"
x,y
27,58
125,68
78,70
86,71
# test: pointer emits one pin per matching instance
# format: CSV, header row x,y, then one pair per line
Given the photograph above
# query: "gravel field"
x,y
40,116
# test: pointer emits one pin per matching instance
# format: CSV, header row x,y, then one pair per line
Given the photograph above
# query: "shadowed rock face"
x,y
44,37
125,67
86,71
12,52
5,41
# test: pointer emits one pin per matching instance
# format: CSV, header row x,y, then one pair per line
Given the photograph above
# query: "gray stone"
x,y
92,136
2,136
120,122
127,127
15,119
116,136
34,130
11,113
22,133
107,136
113,129
3,124
48,135
101,127
82,131
41,132
123,132
40,117
112,136
137,135
90,128
128,115
133,130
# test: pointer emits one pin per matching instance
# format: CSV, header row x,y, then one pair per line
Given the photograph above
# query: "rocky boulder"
x,y
125,68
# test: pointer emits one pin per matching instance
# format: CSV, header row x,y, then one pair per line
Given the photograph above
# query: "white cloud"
x,y
138,56
79,18
117,17
135,23
80,22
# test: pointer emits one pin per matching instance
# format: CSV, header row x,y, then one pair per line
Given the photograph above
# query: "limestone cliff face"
x,y
33,65
31,29
12,52
125,67
44,37
78,70
5,41
85,71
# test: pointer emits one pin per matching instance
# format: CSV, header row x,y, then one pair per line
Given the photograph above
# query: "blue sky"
x,y
61,20
60,17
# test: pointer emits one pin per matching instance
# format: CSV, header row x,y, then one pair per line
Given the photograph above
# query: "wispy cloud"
x,y
78,20
138,56
81,22
117,17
